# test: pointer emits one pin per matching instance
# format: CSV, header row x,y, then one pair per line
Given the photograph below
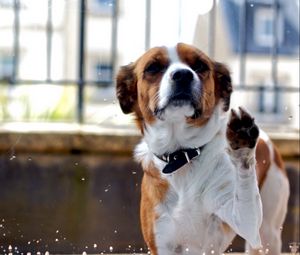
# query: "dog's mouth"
x,y
179,101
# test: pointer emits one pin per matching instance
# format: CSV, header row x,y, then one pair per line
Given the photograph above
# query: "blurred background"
x,y
67,180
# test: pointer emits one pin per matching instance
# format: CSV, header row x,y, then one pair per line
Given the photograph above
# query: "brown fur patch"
x,y
226,228
148,86
223,84
213,82
279,161
154,190
263,161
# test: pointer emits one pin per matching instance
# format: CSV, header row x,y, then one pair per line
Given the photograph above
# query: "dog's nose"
x,y
182,76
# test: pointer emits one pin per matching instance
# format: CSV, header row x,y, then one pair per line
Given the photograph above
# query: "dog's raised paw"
x,y
242,132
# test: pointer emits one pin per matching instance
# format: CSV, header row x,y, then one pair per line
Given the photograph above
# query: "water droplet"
x,y
106,190
56,240
133,172
294,246
251,5
57,231
187,249
12,157
76,164
290,117
95,245
29,159
83,179
29,242
264,161
212,252
116,231
111,248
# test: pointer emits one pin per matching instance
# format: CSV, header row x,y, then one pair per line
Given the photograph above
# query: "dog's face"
x,y
169,84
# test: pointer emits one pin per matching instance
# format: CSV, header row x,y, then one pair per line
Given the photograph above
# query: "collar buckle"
x,y
187,156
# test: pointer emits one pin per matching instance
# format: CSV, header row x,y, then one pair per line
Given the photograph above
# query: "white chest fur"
x,y
187,224
213,188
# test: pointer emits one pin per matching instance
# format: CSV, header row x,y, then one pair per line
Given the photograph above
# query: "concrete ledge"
x,y
67,138
75,138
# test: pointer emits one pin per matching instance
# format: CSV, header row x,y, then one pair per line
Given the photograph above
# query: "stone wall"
x,y
69,192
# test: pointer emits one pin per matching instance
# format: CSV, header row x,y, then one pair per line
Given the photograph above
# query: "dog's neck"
x,y
165,137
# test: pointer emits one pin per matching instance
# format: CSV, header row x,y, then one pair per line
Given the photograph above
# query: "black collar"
x,y
178,158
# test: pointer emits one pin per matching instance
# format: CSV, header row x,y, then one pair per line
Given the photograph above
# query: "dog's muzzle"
x,y
181,88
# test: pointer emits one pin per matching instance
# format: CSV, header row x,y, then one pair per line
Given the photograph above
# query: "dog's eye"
x,y
199,67
154,68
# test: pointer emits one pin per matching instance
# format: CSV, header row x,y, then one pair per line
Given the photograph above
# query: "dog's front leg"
x,y
243,211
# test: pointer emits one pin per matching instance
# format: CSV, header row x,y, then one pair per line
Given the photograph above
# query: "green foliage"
x,y
46,103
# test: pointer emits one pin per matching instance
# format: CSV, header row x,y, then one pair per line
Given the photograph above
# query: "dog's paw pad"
x,y
242,132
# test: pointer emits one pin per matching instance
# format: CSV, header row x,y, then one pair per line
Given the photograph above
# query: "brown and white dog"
x,y
208,175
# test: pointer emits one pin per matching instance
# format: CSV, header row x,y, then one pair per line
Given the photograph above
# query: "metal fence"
x,y
81,80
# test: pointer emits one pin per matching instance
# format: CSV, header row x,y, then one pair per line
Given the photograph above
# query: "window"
x,y
104,7
103,72
263,27
6,3
258,27
6,67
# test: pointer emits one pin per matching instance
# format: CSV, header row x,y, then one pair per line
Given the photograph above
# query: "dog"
x,y
209,172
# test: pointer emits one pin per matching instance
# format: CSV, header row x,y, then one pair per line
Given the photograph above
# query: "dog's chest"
x,y
186,225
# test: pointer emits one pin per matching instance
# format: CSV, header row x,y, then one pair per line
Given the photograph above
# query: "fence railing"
x,y
81,80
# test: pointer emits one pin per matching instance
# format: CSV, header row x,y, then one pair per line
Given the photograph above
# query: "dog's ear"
x,y
127,88
223,83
